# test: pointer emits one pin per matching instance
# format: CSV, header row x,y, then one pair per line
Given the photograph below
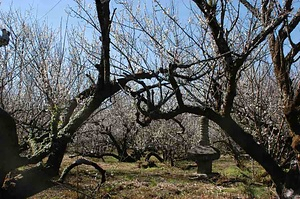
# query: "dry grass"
x,y
127,180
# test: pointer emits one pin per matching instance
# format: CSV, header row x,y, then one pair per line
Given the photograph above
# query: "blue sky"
x,y
50,11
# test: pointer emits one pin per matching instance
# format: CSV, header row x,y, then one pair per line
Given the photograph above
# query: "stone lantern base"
x,y
204,166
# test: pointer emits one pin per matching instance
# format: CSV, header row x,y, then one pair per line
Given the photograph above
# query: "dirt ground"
x,y
133,181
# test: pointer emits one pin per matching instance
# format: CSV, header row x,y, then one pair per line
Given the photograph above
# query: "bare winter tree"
x,y
62,97
202,59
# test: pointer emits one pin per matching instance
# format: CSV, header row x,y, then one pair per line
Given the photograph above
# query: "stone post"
x,y
204,137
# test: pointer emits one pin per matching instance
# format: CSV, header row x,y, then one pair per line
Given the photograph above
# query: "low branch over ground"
x,y
80,162
149,155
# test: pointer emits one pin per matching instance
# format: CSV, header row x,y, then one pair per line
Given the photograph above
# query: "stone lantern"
x,y
203,153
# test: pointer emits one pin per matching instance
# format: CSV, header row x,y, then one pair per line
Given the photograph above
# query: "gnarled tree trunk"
x,y
9,151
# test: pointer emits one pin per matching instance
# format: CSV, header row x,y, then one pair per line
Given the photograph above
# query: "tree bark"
x,y
64,136
9,152
56,156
